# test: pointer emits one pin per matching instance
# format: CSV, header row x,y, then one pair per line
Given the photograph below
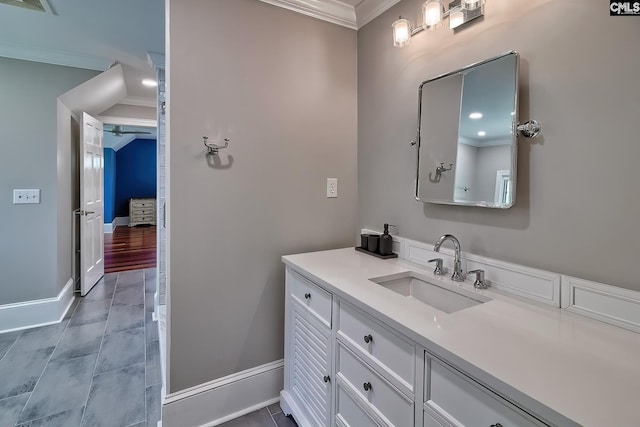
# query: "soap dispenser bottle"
x,y
386,242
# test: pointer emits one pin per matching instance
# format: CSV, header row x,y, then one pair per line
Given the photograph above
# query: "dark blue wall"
x,y
109,185
135,172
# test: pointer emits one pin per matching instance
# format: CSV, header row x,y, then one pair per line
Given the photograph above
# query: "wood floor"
x,y
130,248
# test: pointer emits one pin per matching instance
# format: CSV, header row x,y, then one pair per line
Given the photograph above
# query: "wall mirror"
x,y
467,139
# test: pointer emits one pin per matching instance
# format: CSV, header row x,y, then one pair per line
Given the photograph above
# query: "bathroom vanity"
x,y
362,352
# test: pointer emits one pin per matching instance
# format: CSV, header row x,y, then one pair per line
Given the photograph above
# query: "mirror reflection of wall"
x,y
482,99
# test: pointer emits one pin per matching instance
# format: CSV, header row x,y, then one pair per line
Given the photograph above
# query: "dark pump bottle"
x,y
386,242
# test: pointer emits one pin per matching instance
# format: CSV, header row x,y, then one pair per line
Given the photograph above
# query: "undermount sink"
x,y
441,296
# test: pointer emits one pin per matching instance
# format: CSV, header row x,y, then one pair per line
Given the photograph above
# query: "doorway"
x,y
130,184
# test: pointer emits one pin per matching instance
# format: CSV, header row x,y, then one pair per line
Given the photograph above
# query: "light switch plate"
x,y
332,187
27,196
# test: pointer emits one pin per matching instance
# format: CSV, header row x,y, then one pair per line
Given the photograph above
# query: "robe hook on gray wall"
x,y
212,149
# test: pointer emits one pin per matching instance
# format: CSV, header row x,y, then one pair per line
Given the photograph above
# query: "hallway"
x,y
99,367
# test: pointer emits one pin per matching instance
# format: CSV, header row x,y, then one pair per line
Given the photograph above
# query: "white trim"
x,y
109,227
121,221
369,10
332,11
139,101
224,399
56,57
609,304
127,121
29,314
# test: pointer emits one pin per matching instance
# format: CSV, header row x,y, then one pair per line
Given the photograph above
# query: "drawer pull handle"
x,y
307,296
326,378
368,338
496,425
367,387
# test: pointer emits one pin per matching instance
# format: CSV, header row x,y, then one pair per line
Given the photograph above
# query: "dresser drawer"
x,y
142,211
384,398
383,345
313,297
142,203
462,401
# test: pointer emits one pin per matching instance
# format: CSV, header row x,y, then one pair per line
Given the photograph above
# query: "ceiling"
x,y
94,34
91,34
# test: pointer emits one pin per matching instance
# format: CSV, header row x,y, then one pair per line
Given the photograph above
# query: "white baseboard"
x,y
29,314
108,228
121,221
224,399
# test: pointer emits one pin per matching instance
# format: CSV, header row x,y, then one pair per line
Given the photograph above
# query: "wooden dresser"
x,y
142,211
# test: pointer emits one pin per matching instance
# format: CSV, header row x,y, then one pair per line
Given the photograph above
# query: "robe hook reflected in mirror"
x,y
442,168
212,149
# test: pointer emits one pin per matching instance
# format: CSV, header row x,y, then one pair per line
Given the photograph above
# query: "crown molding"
x,y
369,10
332,11
127,121
52,56
337,12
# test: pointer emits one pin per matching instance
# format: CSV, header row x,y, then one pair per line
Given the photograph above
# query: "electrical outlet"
x,y
332,187
31,196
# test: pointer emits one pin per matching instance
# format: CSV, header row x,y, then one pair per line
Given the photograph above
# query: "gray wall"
x,y
33,263
577,193
282,86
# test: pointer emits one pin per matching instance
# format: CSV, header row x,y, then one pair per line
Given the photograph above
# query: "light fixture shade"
x,y
401,32
456,19
432,11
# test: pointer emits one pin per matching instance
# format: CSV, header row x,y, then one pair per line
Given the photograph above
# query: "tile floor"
x,y
99,367
271,416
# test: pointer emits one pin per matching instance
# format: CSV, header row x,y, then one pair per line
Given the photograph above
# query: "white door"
x,y
91,203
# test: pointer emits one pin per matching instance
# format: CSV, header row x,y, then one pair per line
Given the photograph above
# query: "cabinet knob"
x,y
496,425
368,338
367,387
307,296
326,378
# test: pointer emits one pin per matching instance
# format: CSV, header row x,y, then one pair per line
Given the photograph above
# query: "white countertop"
x,y
546,359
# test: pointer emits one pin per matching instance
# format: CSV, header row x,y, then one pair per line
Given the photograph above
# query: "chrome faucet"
x,y
458,275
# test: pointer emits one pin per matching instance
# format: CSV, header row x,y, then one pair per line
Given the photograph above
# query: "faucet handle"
x,y
439,270
479,283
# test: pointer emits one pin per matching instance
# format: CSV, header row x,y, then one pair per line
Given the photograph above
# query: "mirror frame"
x,y
514,133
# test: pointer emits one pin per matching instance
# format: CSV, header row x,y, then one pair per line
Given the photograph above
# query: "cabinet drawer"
x,y
462,401
383,345
384,398
349,413
316,299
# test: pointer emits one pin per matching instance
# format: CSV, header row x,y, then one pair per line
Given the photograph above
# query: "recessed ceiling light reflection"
x,y
475,116
149,83
482,133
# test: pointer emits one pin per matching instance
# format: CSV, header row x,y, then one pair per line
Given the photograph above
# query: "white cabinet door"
x,y
310,370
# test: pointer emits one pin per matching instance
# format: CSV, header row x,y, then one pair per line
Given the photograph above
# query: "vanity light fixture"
x,y
433,12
